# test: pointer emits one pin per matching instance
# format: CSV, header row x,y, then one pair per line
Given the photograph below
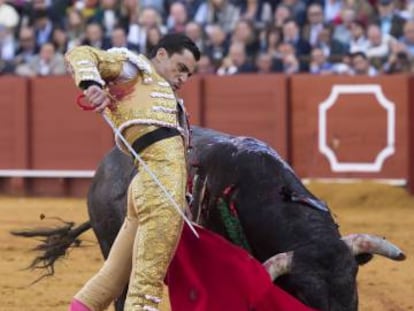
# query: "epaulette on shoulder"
x,y
138,60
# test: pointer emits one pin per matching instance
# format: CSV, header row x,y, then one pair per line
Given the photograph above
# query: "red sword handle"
x,y
81,103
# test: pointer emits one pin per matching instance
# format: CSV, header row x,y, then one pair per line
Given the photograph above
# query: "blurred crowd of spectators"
x,y
236,36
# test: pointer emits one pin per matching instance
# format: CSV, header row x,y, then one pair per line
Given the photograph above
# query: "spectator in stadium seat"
x,y
221,12
264,63
94,37
408,37
43,27
6,67
7,50
227,68
281,14
177,18
41,4
107,14
239,58
195,33
236,61
87,8
27,47
332,48
153,36
137,31
345,66
362,66
60,40
319,63
205,66
30,10
291,34
191,6
342,31
359,40
75,28
388,19
332,10
7,43
119,40
217,45
408,11
379,45
270,40
297,9
47,62
57,10
399,60
287,60
245,33
363,9
128,13
259,12
157,5
314,23
291,64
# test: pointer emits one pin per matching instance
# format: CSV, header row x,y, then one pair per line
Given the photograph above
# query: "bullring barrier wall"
x,y
325,126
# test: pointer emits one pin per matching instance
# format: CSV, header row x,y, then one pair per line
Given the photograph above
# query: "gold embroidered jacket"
x,y
140,96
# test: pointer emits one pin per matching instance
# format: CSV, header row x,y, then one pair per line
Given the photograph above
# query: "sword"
x,y
140,160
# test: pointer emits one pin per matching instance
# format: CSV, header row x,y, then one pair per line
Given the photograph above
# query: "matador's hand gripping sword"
x,y
136,156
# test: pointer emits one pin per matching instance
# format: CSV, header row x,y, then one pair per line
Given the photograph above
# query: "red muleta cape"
x,y
211,274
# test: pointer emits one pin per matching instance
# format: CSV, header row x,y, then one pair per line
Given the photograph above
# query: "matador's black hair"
x,y
176,43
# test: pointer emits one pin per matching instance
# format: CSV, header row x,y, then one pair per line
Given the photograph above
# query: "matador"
x,y
138,94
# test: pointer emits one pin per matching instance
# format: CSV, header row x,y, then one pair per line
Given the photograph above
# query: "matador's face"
x,y
177,68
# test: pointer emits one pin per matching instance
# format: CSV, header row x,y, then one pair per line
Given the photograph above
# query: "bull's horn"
x,y
372,244
279,264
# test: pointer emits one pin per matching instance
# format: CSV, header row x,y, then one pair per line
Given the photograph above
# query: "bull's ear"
x,y
364,258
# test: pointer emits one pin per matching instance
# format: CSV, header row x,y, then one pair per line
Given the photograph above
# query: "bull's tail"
x,y
55,242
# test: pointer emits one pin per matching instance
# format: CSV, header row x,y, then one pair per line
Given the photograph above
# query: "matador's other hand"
x,y
97,97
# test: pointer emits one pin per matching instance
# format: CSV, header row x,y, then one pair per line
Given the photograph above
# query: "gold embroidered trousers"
x,y
148,238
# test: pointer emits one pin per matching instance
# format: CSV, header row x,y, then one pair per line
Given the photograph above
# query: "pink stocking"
x,y
76,305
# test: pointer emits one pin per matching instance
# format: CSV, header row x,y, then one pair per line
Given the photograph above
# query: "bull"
x,y
243,190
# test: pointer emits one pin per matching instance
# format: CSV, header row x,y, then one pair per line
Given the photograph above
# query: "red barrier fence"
x,y
326,126
14,142
410,129
14,127
248,105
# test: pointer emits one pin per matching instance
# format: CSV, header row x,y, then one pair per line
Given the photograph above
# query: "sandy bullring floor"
x,y
383,285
